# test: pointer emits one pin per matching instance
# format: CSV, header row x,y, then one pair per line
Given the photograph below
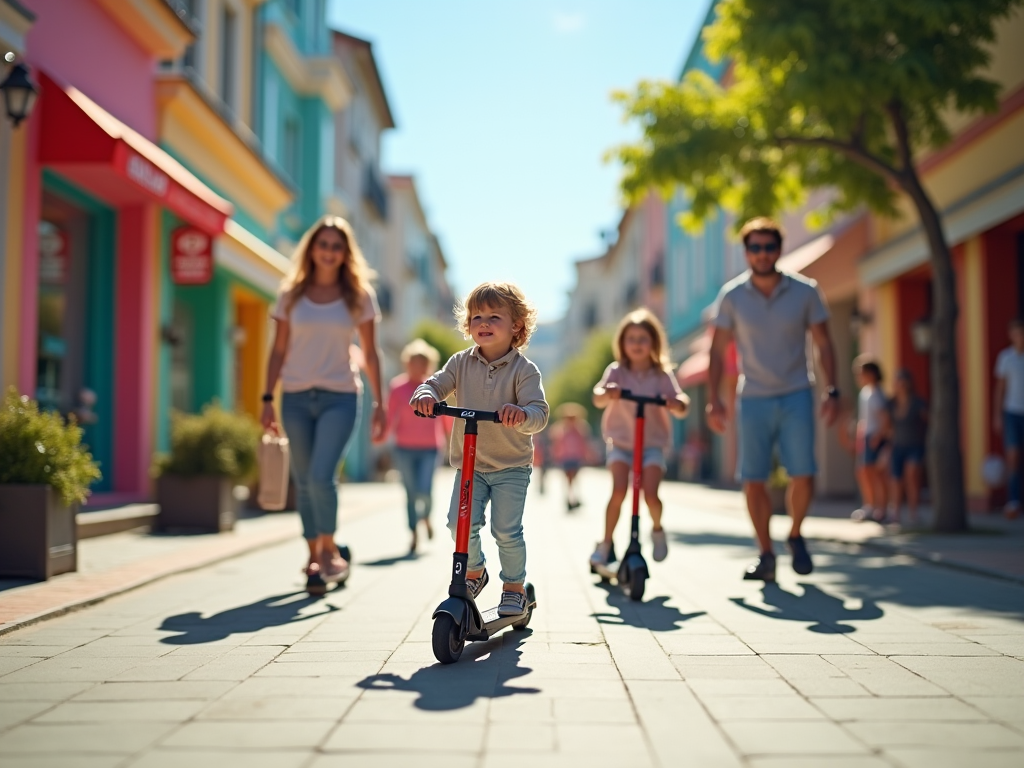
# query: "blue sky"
x,y
503,116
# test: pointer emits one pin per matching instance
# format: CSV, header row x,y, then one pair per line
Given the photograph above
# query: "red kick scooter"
x,y
632,573
458,619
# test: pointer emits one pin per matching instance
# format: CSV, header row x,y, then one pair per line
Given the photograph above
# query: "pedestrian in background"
x,y
908,419
870,442
324,302
641,366
769,314
1008,410
570,444
417,440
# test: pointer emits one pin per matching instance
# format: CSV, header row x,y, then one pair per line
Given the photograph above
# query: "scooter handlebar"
x,y
470,414
656,400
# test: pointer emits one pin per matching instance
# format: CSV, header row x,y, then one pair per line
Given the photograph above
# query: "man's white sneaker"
x,y
660,545
512,603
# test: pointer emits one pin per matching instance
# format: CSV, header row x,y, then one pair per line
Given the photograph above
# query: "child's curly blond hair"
x,y
499,295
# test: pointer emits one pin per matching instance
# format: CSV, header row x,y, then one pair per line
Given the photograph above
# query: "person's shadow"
x,y
654,614
384,562
824,612
274,611
483,672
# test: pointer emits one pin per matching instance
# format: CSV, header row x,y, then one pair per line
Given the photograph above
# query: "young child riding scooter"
x,y
494,375
642,367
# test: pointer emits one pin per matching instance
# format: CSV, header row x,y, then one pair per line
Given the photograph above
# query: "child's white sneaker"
x,y
600,556
512,603
660,545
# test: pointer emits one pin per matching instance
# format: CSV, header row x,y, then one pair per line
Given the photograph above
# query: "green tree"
x,y
837,94
444,338
574,382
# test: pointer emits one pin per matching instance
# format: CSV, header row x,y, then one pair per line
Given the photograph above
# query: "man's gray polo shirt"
x,y
771,332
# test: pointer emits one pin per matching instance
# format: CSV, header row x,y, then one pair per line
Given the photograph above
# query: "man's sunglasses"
x,y
756,248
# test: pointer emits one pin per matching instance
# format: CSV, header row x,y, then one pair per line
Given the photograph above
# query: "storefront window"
x,y
62,234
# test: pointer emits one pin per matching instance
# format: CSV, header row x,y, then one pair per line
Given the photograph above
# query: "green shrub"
x,y
444,338
40,448
574,381
214,442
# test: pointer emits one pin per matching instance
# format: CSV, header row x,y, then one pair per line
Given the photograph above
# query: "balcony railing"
x,y
374,191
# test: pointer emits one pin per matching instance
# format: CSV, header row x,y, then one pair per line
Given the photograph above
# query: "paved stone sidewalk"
x,y
874,660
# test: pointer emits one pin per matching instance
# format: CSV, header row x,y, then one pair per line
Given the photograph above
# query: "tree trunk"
x,y
945,459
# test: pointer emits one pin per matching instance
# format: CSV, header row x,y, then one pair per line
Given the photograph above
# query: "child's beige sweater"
x,y
488,386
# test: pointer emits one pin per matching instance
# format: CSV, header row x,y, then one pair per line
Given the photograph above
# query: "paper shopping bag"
x,y
274,459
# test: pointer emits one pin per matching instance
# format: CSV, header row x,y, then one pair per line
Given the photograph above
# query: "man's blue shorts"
x,y
785,422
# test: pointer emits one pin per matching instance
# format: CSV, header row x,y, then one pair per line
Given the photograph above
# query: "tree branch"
x,y
851,150
899,126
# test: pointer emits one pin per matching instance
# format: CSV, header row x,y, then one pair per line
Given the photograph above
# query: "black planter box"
x,y
196,503
38,534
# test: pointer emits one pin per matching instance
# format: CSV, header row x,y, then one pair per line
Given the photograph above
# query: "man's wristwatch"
x,y
268,397
832,393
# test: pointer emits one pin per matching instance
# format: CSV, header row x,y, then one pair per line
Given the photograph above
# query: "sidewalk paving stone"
x,y
875,659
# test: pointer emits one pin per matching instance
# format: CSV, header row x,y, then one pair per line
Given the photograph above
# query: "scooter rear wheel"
x,y
637,584
447,639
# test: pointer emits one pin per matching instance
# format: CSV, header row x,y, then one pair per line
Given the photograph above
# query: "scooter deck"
x,y
493,623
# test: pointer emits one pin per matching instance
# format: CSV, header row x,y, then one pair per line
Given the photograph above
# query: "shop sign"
x,y
53,257
191,256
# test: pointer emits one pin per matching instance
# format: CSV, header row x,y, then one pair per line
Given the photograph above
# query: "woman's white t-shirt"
x,y
318,343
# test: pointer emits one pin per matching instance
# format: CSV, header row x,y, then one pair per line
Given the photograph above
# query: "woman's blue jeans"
x,y
319,424
416,466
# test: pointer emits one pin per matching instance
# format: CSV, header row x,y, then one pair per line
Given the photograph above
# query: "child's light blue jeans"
x,y
319,424
506,490
416,466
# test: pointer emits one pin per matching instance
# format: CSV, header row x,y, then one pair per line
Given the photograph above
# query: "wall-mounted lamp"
x,y
921,335
859,319
170,335
238,335
19,92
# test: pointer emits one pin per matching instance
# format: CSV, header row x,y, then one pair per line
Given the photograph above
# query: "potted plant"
x,y
45,474
211,452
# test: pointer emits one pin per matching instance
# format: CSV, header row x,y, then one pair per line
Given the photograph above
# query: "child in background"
x,y
494,375
872,427
417,441
641,366
570,441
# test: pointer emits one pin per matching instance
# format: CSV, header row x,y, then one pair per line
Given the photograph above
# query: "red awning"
x,y
91,147
694,369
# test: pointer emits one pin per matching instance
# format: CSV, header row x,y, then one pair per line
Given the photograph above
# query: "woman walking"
x,y
417,440
323,303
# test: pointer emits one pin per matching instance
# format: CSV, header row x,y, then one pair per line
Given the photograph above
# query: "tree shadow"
x,y
654,614
824,612
483,672
275,611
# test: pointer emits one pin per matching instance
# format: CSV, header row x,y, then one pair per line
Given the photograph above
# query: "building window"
x,y
228,56
291,150
590,316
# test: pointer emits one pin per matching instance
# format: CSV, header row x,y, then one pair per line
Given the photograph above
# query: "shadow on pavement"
x,y
273,611
654,614
876,576
386,561
825,613
483,673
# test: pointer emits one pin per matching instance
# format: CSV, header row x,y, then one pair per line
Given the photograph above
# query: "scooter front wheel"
x,y
447,639
637,584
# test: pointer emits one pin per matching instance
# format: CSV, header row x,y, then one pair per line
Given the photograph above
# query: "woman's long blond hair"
x,y
643,318
353,278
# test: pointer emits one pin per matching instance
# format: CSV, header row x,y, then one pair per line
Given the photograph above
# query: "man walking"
x,y
768,313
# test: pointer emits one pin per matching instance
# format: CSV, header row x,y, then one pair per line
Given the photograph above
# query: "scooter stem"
x,y
466,489
638,468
